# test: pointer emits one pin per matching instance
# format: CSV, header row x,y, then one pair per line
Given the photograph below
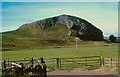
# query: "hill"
x,y
54,31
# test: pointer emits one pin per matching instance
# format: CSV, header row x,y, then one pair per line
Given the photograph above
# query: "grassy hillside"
x,y
54,36
26,38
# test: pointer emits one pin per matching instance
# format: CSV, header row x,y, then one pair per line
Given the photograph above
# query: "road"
x,y
82,74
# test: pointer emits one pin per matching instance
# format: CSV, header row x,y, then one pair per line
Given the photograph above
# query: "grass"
x,y
105,51
35,37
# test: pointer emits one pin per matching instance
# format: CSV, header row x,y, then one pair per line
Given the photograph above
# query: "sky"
x,y
104,15
60,0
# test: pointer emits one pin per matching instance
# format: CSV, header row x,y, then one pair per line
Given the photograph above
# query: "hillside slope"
x,y
54,31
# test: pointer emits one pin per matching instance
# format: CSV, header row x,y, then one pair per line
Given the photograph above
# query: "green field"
x,y
106,51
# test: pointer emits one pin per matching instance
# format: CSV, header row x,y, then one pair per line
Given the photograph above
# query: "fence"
x,y
110,61
91,62
61,63
76,62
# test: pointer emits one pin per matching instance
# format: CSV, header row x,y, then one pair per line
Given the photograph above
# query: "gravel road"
x,y
82,74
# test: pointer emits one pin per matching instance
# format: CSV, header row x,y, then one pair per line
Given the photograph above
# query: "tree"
x,y
112,38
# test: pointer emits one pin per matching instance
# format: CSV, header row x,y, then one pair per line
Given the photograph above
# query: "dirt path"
x,y
82,74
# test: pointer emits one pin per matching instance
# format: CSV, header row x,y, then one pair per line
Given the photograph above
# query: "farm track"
x,y
83,74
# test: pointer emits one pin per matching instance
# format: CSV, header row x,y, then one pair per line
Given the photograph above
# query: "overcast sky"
x,y
103,15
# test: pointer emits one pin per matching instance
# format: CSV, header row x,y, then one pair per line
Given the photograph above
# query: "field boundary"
x,y
88,63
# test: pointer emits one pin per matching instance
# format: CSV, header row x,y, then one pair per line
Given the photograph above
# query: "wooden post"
x,y
4,64
32,61
58,63
44,73
73,63
42,60
86,62
102,62
111,61
100,59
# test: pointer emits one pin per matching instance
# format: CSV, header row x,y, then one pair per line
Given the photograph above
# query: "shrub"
x,y
112,38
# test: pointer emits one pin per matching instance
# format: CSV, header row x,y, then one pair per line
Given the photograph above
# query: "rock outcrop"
x,y
83,29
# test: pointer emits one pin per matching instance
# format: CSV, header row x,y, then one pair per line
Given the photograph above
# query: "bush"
x,y
112,38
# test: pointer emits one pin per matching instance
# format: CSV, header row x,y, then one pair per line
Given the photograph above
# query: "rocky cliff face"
x,y
83,29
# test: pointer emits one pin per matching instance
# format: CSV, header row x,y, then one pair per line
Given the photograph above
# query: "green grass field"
x,y
106,51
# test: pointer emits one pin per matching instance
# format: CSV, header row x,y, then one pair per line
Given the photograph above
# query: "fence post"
x,y
102,62
86,62
73,63
32,61
42,60
111,61
4,64
58,62
44,73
